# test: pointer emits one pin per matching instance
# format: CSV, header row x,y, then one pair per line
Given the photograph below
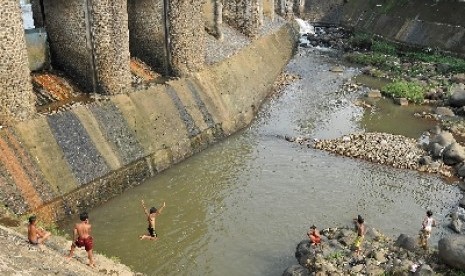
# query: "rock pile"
x,y
380,256
329,37
394,150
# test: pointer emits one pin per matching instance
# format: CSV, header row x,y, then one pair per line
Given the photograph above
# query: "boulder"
x,y
453,154
296,270
375,93
401,101
462,186
427,160
444,111
458,78
424,270
452,251
444,138
456,223
406,242
303,251
436,150
461,170
462,202
457,99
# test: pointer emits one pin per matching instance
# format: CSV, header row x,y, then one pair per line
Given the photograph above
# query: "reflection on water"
x,y
241,206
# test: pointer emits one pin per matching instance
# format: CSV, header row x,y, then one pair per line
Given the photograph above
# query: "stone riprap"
x,y
245,15
394,150
88,154
379,255
146,32
16,97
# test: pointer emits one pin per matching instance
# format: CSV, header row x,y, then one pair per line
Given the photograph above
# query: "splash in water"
x,y
305,27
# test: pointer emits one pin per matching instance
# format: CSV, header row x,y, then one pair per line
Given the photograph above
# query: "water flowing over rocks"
x,y
380,255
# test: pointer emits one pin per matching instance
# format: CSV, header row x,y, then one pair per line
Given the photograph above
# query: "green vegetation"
x,y
402,89
384,47
449,64
361,40
335,255
385,62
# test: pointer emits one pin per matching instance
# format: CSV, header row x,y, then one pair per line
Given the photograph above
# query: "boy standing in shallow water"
x,y
426,227
82,238
361,230
151,215
35,235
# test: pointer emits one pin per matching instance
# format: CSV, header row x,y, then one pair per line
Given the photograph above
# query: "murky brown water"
x,y
241,206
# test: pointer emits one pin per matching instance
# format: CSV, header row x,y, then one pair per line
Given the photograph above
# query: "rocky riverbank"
x,y
380,255
18,257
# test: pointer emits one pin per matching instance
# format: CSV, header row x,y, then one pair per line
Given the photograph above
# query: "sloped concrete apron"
x,y
64,163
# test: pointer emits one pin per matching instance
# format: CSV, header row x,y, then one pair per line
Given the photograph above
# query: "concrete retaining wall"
x,y
74,160
16,97
424,23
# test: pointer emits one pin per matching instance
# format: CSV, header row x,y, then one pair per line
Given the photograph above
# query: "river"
x,y
241,206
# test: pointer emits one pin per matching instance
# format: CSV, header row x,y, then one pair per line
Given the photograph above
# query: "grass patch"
x,y
361,40
382,61
402,89
335,255
384,47
450,64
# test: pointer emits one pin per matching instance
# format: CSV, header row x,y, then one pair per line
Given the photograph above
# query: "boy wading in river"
x,y
426,227
82,238
151,216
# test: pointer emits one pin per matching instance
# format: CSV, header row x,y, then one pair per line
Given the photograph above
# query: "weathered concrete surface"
x,y
79,158
37,49
433,24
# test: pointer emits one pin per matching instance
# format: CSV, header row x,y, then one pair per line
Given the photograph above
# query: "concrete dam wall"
x,y
423,23
59,164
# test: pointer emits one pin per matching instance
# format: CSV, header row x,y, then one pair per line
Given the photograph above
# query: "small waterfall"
x,y
305,27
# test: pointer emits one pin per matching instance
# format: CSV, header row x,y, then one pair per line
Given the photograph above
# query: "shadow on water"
x,y
241,206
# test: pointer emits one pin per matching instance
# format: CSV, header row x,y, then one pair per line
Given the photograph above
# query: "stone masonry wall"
x,y
66,27
146,32
187,41
16,97
111,45
245,15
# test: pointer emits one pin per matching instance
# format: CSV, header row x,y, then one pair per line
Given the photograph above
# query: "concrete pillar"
x,y
146,32
186,36
110,35
16,96
89,41
37,13
245,15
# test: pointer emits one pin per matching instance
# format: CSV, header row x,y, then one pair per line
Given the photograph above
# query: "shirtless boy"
x,y
36,235
314,235
361,230
151,216
426,227
82,238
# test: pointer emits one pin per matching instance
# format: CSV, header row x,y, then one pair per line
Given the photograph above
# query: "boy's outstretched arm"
x,y
161,208
143,206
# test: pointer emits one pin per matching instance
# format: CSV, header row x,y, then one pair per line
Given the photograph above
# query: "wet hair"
x,y
360,219
32,219
429,213
83,216
153,210
313,226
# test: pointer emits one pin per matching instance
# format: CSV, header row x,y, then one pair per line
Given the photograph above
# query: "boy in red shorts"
x,y
82,238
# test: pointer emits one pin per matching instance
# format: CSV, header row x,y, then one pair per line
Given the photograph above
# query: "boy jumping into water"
x,y
36,235
151,216
82,238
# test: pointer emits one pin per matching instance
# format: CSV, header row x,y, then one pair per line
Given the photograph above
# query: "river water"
x,y
241,206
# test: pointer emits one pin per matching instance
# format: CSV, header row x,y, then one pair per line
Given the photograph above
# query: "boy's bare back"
x,y
83,229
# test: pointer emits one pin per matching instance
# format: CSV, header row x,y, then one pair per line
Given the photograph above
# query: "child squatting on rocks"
x,y
36,235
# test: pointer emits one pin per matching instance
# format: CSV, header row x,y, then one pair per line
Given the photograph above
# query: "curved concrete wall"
x,y
68,162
